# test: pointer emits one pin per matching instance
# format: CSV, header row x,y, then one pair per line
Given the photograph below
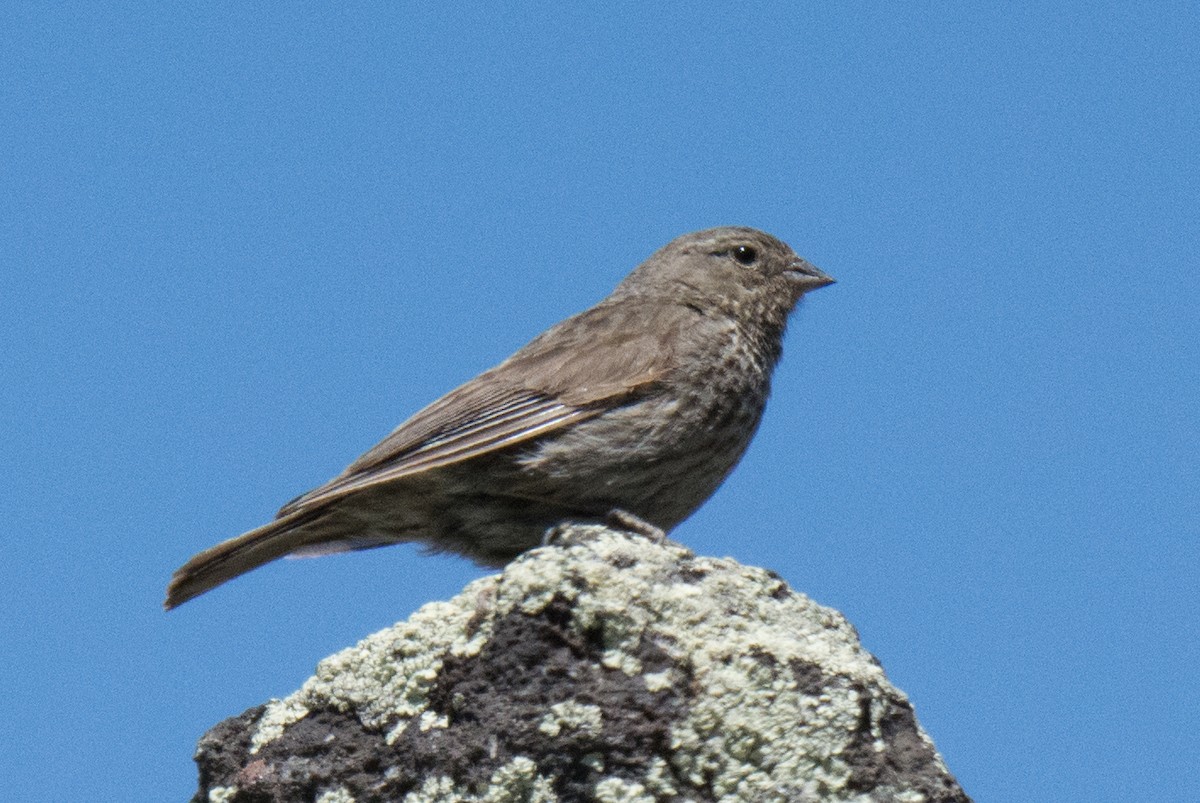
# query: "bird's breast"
x,y
662,454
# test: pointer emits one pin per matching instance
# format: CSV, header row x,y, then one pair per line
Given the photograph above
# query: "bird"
x,y
631,412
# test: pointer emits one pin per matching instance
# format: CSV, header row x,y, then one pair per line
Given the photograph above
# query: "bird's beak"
x,y
808,276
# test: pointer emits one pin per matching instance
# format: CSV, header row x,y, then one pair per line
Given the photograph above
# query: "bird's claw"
x,y
624,520
615,519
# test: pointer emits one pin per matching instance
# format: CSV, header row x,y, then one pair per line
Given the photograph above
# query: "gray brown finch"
x,y
632,411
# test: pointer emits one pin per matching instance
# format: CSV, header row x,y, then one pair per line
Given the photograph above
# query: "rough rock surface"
x,y
606,668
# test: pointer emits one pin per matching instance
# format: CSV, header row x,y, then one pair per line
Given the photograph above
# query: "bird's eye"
x,y
745,254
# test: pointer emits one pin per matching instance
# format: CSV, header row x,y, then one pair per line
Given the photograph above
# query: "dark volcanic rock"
x,y
606,667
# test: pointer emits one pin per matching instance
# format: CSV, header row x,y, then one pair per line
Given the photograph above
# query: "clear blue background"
x,y
240,245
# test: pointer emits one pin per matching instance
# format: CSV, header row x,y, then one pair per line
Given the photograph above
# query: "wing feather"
x,y
419,445
581,373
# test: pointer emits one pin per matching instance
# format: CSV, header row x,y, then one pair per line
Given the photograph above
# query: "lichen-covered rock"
x,y
605,667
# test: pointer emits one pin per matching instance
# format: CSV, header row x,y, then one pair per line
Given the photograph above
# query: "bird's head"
x,y
735,270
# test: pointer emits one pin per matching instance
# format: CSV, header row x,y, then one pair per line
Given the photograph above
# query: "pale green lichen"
x,y
594,762
435,790
339,795
660,780
910,796
658,681
221,794
621,660
749,729
615,790
386,677
517,781
429,720
572,716
278,715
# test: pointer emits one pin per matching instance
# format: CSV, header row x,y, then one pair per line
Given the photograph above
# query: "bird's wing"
x,y
569,374
455,428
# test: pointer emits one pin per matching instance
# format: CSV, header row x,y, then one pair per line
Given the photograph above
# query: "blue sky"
x,y
239,244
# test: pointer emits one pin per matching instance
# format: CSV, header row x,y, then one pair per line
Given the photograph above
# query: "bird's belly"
x,y
659,459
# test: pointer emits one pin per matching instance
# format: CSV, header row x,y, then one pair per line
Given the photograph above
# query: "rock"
x,y
605,667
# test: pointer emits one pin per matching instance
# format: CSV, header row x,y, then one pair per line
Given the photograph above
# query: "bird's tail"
x,y
297,532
